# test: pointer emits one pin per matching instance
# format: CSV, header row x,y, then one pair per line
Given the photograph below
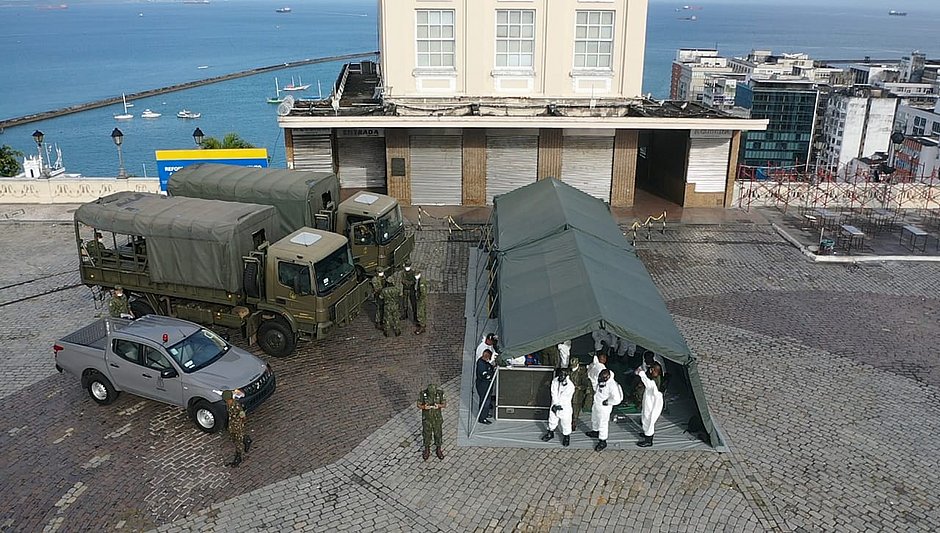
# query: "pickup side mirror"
x,y
168,373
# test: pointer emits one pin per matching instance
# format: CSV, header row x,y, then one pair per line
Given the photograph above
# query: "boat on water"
x,y
296,86
894,13
188,114
195,1
150,114
202,67
693,18
125,115
282,10
277,91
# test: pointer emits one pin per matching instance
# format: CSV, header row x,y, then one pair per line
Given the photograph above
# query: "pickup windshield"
x,y
333,270
389,225
198,350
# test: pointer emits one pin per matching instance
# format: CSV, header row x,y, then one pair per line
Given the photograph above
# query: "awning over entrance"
x,y
558,279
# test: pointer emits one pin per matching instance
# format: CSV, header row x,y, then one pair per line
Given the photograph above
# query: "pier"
x,y
26,119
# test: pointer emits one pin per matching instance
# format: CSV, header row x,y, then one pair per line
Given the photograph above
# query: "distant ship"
x,y
55,7
894,13
282,10
693,18
195,1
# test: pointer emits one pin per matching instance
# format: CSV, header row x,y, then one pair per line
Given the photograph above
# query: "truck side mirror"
x,y
168,373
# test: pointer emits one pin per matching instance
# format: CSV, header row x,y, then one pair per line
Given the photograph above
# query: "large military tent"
x,y
564,269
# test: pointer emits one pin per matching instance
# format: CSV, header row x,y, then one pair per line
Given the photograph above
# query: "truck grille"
x,y
259,390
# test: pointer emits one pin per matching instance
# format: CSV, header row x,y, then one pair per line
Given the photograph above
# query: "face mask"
x,y
407,269
602,384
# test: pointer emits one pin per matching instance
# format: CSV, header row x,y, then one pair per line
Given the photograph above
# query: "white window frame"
x,y
517,41
435,43
593,46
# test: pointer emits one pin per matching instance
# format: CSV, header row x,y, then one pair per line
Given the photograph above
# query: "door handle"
x,y
148,376
281,300
114,365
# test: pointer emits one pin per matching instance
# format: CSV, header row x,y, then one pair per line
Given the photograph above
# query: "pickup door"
x,y
137,368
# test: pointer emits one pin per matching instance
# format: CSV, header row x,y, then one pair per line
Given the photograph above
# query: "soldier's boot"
x,y
236,461
426,453
574,425
397,332
601,444
419,330
385,331
592,434
548,436
439,452
565,440
645,442
247,442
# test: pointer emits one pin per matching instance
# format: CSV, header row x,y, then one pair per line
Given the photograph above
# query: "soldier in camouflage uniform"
x,y
583,391
408,281
391,299
118,306
237,430
378,283
421,303
431,401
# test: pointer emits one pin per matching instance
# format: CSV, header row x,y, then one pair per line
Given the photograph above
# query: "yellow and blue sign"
x,y
169,161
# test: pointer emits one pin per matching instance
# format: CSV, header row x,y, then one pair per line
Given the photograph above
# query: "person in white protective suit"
x,y
598,364
562,392
564,354
602,340
607,394
652,402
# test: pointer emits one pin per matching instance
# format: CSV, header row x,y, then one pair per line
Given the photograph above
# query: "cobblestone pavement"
x,y
821,376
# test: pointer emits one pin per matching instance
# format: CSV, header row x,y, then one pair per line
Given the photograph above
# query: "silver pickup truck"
x,y
164,359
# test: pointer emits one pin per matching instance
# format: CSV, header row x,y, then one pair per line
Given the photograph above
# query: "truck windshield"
x,y
389,225
198,350
333,270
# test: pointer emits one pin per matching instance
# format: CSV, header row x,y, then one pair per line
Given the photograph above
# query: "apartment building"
x,y
474,99
858,123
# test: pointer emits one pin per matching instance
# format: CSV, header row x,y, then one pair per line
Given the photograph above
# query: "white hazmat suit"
x,y
564,352
600,413
652,403
562,393
594,369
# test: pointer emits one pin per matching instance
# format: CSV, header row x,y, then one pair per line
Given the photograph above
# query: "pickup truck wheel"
x,y
276,338
101,390
208,417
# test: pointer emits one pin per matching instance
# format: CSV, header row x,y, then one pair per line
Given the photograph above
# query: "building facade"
x,y
790,107
858,123
474,99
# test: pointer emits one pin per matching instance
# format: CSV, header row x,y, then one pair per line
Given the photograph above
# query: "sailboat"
x,y
277,99
294,87
125,115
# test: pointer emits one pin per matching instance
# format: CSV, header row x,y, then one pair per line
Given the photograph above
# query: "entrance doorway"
x,y
662,156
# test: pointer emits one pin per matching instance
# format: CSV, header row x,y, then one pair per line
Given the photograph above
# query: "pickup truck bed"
x,y
95,335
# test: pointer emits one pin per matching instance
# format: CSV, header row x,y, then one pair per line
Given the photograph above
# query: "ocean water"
x,y
97,49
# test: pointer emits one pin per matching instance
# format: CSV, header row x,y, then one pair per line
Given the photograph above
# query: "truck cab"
x,y
374,225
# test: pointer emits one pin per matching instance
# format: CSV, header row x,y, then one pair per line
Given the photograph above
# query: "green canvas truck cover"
x,y
293,193
189,241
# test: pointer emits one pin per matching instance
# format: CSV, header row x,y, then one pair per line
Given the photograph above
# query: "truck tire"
x,y
276,338
250,280
100,389
208,417
140,307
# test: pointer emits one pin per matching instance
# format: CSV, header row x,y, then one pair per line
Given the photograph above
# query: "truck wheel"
x,y
100,389
208,417
250,280
276,338
141,308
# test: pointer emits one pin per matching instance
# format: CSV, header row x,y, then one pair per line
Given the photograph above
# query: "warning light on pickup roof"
x,y
166,337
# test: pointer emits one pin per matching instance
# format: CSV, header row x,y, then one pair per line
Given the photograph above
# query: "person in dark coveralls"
x,y
237,426
484,375
431,401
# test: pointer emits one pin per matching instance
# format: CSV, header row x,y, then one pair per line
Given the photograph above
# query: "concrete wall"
x,y
70,190
475,74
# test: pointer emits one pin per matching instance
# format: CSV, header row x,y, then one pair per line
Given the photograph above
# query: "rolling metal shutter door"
x,y
587,163
313,150
436,170
708,164
511,162
361,162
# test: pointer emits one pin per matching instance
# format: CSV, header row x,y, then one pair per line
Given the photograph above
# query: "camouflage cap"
x,y
118,288
227,395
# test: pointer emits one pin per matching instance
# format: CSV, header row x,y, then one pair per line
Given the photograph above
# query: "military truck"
x,y
371,221
211,262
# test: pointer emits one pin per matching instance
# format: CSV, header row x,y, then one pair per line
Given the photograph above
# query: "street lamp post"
x,y
38,137
118,139
198,136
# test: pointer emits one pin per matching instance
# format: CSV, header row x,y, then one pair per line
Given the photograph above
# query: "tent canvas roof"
x,y
549,206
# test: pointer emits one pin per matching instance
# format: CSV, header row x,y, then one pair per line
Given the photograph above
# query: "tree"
x,y
231,140
10,161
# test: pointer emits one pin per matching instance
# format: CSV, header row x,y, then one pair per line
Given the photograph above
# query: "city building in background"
x,y
475,99
858,123
790,107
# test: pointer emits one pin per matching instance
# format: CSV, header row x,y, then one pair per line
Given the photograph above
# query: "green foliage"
x,y
231,140
10,161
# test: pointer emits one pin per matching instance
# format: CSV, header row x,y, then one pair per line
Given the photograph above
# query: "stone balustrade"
x,y
69,190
